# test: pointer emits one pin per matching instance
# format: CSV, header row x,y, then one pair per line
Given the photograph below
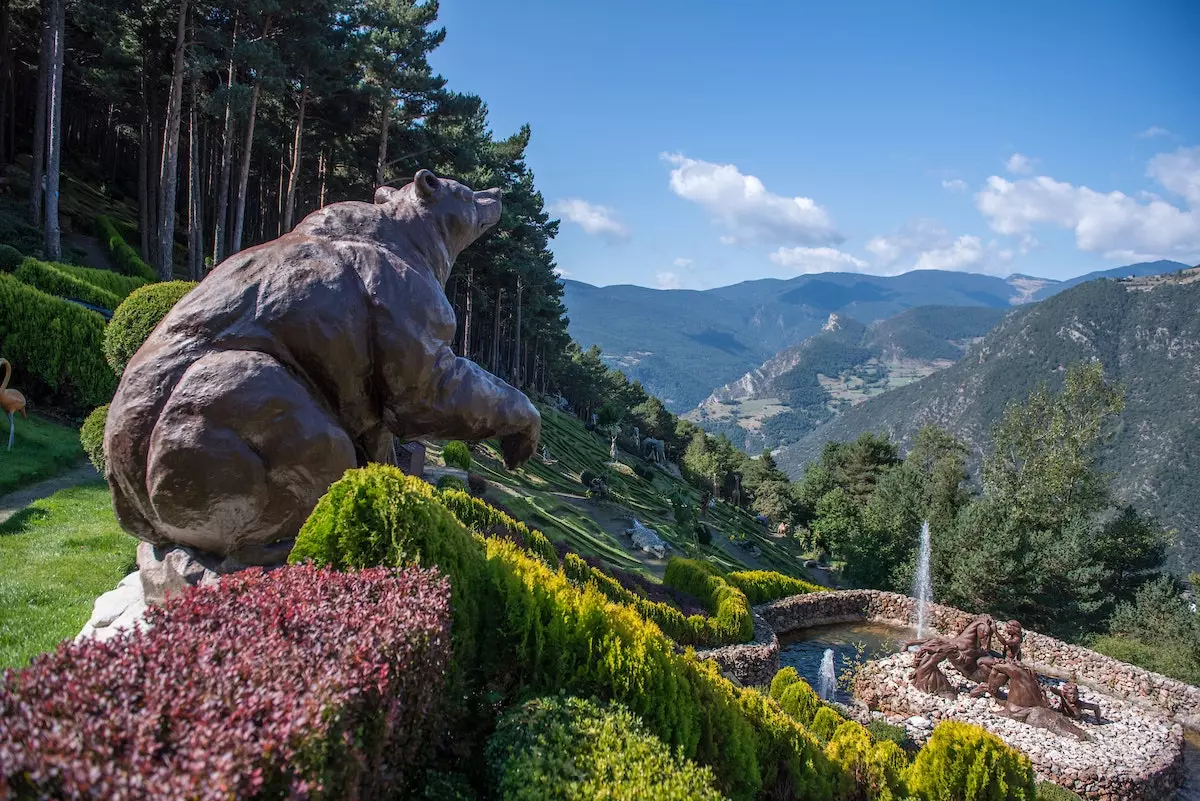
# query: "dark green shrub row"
x,y
125,257
91,437
571,749
730,619
109,281
137,316
449,482
50,279
764,586
483,519
457,454
10,258
56,343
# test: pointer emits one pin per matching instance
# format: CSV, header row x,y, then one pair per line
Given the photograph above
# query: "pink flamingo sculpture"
x,y
11,401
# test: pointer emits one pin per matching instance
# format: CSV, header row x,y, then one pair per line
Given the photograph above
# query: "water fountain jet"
x,y
827,680
922,584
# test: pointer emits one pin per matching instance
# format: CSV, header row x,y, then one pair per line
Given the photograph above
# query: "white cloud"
x,y
594,219
1019,165
561,273
728,240
741,204
1178,172
803,260
682,262
1152,132
926,244
955,185
667,280
1112,223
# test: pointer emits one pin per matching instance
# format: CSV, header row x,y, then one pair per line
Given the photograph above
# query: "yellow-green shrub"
x,y
91,437
482,518
825,723
48,278
137,316
962,762
457,454
764,586
795,696
730,619
124,257
572,749
56,343
377,515
870,770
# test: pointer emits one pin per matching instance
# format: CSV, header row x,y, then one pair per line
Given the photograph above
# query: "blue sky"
x,y
701,144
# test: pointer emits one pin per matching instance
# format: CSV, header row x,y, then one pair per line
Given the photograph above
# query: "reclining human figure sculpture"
x,y
298,359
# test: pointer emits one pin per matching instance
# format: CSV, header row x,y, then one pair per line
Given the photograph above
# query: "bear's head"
x,y
450,215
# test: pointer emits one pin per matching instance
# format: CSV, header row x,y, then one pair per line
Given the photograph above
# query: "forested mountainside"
x,y
1146,333
682,344
843,365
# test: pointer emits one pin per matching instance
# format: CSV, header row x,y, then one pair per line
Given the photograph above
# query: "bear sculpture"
x,y
299,359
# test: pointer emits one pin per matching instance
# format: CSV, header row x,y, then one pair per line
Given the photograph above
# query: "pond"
x,y
851,643
1190,791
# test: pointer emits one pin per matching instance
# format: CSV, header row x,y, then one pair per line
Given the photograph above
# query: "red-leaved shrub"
x,y
298,683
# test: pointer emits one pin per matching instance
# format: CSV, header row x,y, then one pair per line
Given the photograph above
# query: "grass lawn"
x,y
56,557
41,449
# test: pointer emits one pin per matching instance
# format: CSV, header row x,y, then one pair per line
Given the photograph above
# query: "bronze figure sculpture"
x,y
11,402
298,359
1070,704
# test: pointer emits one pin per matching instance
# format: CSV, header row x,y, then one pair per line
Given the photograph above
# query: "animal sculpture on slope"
x,y
11,401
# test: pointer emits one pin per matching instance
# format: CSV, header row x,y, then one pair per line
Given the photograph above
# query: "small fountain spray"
x,y
922,584
827,680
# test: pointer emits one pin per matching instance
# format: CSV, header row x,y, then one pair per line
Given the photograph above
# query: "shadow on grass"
x,y
17,523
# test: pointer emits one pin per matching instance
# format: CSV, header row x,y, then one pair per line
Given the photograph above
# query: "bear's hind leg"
x,y
239,457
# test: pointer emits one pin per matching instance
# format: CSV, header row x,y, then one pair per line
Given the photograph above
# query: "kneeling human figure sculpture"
x,y
298,359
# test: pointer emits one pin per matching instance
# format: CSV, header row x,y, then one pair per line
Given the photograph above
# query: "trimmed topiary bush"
x,y
109,281
449,482
56,344
10,258
764,586
126,259
136,318
477,485
962,762
825,723
883,731
457,454
730,611
485,519
297,683
570,749
586,478
48,278
1049,791
91,436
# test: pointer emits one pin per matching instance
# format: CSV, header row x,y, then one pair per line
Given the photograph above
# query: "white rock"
x,y
112,604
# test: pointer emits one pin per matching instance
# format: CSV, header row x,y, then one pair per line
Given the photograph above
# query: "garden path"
x,y
17,500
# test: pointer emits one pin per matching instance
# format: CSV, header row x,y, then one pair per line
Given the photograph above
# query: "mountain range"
x,y
683,344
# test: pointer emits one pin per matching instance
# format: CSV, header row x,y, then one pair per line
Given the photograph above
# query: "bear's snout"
x,y
487,205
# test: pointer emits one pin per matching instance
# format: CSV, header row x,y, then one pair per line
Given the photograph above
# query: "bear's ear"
x,y
426,183
385,194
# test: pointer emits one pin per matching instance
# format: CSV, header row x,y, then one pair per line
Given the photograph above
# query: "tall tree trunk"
x,y
54,123
385,122
144,173
289,208
517,363
6,60
195,201
321,168
494,359
168,177
469,306
37,171
239,211
220,232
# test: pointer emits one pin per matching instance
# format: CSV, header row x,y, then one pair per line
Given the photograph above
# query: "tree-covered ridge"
x,y
1148,339
224,123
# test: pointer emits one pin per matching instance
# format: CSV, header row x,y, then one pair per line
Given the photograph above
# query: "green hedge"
x,y
571,749
109,281
125,257
449,482
764,586
56,343
10,258
91,437
730,619
135,319
50,279
457,454
483,518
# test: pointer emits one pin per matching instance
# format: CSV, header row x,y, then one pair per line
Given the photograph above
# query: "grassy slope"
x,y
549,497
56,557
41,449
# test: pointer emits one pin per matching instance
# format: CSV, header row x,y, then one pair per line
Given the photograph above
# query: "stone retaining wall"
x,y
752,663
1045,654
